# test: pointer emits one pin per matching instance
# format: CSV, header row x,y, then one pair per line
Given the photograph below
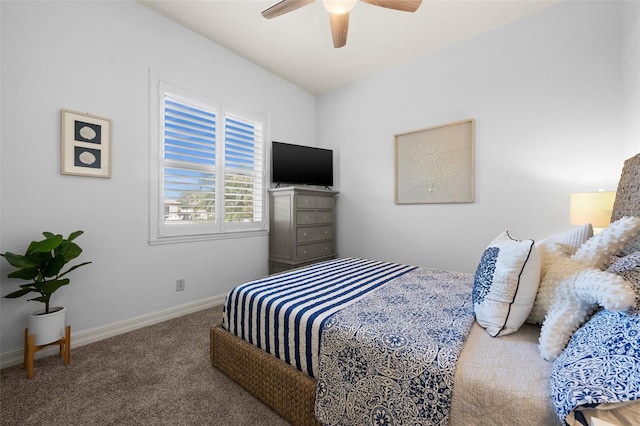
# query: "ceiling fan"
x,y
339,12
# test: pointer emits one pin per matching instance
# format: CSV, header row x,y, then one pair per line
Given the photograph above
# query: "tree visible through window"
x,y
189,162
241,180
212,166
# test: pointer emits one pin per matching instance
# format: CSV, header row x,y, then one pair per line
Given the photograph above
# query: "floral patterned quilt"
x,y
390,358
600,367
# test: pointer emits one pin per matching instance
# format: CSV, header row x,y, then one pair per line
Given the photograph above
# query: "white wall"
x,y
630,47
96,57
546,94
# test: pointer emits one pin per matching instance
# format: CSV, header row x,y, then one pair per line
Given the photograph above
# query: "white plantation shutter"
x,y
244,161
211,168
189,161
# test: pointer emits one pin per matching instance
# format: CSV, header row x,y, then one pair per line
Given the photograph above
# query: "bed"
x,y
360,341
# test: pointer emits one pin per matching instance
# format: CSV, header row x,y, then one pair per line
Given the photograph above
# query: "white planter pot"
x,y
47,328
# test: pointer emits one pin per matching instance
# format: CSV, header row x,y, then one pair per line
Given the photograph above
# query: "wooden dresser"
x,y
302,227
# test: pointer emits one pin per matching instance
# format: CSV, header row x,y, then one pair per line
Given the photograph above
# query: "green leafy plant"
x,y
42,263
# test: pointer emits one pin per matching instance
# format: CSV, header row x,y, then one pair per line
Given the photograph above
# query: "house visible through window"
x,y
211,168
189,162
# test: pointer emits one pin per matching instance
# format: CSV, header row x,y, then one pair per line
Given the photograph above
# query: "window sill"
x,y
177,239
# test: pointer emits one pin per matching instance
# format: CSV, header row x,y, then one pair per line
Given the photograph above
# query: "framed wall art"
x,y
436,165
85,144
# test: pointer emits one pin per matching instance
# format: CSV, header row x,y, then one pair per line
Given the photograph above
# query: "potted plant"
x,y
42,265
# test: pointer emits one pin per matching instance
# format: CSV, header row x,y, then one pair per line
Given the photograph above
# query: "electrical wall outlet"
x,y
180,284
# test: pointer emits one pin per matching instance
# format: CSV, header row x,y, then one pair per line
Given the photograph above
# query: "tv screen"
x,y
297,164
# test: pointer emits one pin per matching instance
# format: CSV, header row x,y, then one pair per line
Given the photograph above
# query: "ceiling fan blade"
x,y
283,7
403,5
339,28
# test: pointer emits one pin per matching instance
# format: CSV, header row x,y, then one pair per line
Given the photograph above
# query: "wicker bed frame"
x,y
283,388
291,393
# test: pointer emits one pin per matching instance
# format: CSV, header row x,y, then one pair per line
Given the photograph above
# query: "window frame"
x,y
163,233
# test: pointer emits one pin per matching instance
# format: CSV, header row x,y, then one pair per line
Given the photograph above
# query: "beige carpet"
x,y
157,375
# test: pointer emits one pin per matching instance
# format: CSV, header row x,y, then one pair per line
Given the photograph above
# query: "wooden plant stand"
x,y
30,349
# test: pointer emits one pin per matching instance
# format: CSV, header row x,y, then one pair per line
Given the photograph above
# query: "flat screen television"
x,y
298,164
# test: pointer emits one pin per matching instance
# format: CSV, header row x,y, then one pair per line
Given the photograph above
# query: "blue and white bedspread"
x,y
390,358
297,303
600,368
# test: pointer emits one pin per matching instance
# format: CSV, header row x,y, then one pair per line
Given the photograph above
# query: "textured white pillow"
x,y
578,286
566,243
572,239
505,284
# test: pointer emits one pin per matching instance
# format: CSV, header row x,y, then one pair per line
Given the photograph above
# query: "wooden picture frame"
x,y
85,144
436,164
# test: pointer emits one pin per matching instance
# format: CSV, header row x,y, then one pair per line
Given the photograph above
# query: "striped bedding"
x,y
298,303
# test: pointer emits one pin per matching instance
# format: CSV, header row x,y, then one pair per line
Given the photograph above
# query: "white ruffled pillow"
x,y
578,286
505,284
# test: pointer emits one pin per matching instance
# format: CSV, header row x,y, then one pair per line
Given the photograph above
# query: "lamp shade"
x,y
592,207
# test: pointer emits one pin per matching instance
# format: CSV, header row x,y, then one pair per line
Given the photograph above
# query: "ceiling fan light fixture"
x,y
339,12
339,7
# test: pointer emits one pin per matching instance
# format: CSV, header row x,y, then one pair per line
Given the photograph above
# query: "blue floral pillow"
x,y
505,284
599,367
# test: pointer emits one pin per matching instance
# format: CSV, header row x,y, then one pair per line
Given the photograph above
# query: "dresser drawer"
x,y
305,235
306,201
309,251
324,202
324,216
305,217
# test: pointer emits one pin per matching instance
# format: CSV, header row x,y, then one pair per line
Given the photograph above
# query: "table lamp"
x,y
592,207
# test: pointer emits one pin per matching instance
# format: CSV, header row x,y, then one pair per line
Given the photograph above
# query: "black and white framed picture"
x,y
85,144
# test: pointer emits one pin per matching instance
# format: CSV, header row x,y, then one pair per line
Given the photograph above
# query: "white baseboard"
x,y
91,335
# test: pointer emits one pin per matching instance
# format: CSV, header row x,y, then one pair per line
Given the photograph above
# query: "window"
x,y
209,172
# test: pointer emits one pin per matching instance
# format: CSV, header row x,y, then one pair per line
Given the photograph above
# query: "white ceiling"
x,y
297,46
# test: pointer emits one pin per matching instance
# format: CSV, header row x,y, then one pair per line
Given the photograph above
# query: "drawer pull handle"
x,y
304,234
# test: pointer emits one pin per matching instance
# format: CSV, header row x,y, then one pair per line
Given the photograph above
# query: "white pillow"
x,y
577,297
572,238
566,243
505,284
578,286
